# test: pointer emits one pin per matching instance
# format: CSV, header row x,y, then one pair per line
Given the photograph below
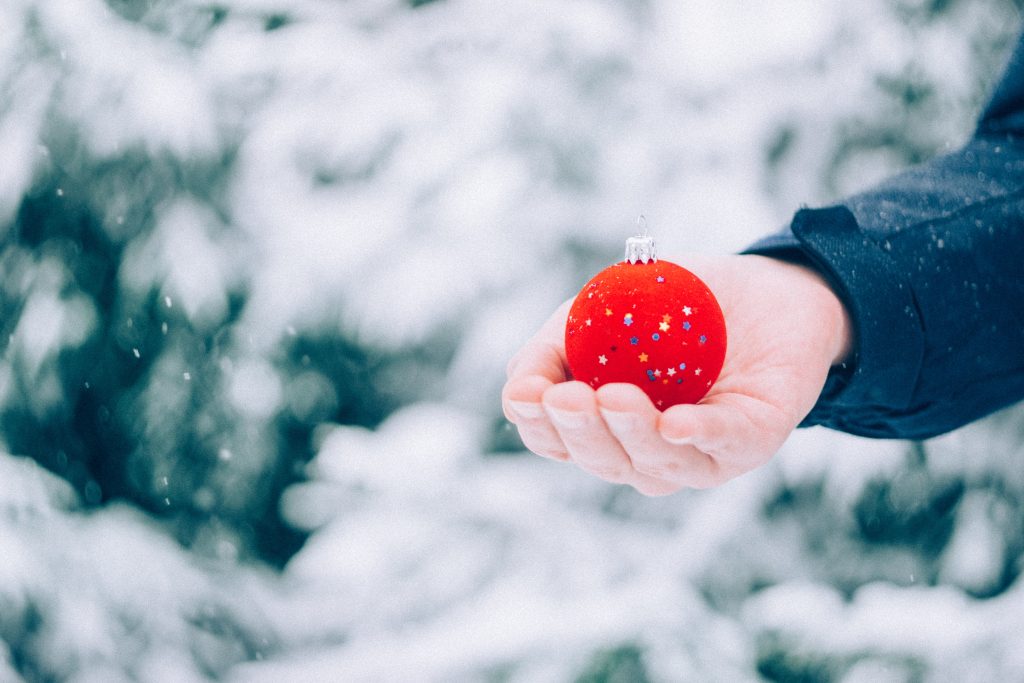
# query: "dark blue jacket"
x,y
930,265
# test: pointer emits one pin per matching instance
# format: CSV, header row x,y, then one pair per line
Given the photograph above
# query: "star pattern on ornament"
x,y
663,323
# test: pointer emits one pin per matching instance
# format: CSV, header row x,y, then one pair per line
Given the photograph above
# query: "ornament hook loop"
x,y
641,248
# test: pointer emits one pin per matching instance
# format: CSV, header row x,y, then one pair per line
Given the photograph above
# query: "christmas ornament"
x,y
650,323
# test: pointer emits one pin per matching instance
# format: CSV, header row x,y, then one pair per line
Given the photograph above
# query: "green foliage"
x,y
622,664
776,663
780,661
137,408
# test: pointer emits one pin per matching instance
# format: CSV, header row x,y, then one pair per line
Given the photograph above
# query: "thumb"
x,y
739,431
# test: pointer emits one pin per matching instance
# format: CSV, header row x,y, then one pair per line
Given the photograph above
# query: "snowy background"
x,y
263,264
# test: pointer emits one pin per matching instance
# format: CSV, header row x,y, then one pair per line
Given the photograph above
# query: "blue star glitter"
x,y
686,325
702,339
661,279
634,340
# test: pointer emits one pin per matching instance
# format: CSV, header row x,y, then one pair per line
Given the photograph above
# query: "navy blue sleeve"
x,y
930,265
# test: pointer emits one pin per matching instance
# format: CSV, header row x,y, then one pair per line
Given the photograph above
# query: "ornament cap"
x,y
641,248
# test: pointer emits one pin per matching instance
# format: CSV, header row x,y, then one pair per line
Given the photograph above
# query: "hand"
x,y
785,327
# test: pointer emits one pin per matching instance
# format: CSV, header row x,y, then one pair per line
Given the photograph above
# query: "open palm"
x,y
786,329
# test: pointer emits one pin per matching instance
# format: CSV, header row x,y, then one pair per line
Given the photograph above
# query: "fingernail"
x,y
678,440
526,409
619,422
566,418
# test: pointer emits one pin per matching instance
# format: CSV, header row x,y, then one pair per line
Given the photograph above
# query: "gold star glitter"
x,y
588,322
643,357
666,318
607,311
697,372
663,327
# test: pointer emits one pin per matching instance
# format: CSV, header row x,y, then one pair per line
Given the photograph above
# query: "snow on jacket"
x,y
930,265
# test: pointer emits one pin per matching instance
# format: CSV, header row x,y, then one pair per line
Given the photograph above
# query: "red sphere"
x,y
655,325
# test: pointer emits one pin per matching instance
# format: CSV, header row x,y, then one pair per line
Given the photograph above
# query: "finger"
x,y
544,353
572,407
739,431
633,420
541,358
521,401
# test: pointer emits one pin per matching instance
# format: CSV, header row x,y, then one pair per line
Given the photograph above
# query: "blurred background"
x,y
262,264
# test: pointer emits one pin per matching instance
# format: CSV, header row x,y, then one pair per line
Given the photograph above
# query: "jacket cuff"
x,y
888,337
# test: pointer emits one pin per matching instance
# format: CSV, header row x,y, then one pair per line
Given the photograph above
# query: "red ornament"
x,y
650,323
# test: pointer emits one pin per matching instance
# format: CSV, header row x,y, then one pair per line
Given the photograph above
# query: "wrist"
x,y
828,314
834,316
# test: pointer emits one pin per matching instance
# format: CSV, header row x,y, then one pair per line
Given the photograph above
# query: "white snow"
x,y
453,173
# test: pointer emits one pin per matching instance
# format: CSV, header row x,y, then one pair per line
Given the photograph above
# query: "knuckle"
x,y
615,475
653,489
661,471
552,454
543,447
